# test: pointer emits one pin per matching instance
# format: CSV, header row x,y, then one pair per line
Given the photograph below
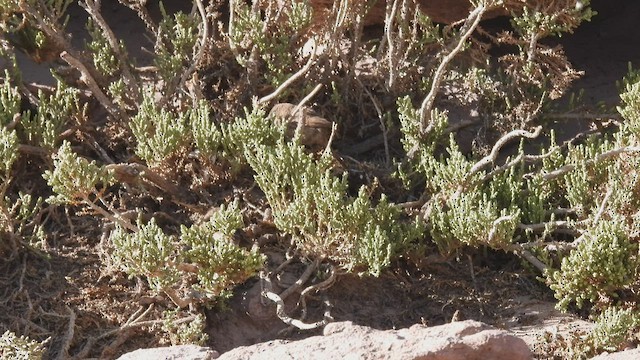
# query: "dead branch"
x,y
426,125
93,10
88,79
604,156
293,78
282,315
301,281
527,255
303,119
143,14
197,60
314,288
499,144
112,215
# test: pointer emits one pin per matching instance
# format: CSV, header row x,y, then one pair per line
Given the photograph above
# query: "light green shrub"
x,y
20,347
604,262
313,206
176,44
203,257
160,132
613,328
270,35
191,332
74,179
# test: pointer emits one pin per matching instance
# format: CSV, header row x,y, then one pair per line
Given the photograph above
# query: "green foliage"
x,y
409,124
177,38
104,58
20,347
271,36
533,22
203,255
604,262
466,200
149,252
312,205
8,152
221,263
17,221
248,132
74,178
9,101
581,182
630,107
613,329
160,133
55,111
230,140
191,332
207,135
447,173
471,218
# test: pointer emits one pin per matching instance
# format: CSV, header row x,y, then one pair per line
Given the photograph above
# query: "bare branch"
x,y
303,119
303,279
527,255
286,318
426,125
68,336
291,79
130,81
603,205
88,79
499,144
604,156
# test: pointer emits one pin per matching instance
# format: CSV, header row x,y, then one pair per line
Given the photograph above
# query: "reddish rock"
x,y
465,340
441,11
181,352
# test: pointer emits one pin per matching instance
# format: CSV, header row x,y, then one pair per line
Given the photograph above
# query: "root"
x,y
279,299
314,288
301,281
290,321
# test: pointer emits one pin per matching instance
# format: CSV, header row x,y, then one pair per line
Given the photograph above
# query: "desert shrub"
x,y
613,329
313,206
183,333
604,262
268,37
160,133
17,210
19,347
197,111
209,267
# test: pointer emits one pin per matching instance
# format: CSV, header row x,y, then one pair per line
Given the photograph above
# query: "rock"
x,y
180,352
440,11
464,340
632,354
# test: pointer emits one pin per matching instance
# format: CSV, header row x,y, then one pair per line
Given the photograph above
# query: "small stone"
x,y
315,131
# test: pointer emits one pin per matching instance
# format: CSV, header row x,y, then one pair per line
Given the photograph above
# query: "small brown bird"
x,y
315,131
